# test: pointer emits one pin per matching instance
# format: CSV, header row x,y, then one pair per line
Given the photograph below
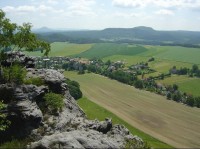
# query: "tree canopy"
x,y
19,38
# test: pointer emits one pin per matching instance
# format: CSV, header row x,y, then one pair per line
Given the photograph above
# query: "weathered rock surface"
x,y
20,57
79,139
54,79
22,110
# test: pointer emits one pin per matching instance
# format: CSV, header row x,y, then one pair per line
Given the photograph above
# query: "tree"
x,y
177,96
169,95
190,101
74,89
162,76
175,87
139,84
183,71
108,62
19,38
197,102
195,68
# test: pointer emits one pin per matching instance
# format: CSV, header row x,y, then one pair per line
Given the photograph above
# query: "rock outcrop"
x,y
20,57
22,109
68,128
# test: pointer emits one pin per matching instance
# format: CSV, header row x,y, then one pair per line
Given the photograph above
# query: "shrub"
x,y
4,123
139,84
190,101
197,102
16,144
54,101
136,144
34,81
14,74
74,89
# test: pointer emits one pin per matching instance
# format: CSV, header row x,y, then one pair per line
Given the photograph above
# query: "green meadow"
x,y
63,49
102,50
186,84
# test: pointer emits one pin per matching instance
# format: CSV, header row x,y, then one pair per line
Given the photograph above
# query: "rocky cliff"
x,y
68,128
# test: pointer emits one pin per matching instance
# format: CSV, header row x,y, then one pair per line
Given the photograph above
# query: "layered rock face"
x,y
68,128
20,57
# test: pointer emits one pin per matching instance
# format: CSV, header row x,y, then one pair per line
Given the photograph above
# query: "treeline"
x,y
171,92
193,72
181,45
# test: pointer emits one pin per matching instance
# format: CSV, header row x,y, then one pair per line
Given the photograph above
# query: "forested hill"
x,y
140,34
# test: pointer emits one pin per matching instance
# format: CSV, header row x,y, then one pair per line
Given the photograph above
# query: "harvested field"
x,y
168,121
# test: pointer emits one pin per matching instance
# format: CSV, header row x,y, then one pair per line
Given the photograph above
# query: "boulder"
x,y
22,111
78,139
54,79
103,126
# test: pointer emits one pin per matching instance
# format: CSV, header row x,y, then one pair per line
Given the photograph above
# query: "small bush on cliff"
x,y
54,101
14,74
136,144
34,81
16,144
4,123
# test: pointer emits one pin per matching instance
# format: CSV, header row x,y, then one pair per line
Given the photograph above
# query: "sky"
x,y
100,14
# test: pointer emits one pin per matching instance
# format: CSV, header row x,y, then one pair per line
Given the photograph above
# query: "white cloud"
x,y
129,3
28,9
164,12
158,3
8,8
80,2
24,8
53,2
80,8
44,8
127,15
69,8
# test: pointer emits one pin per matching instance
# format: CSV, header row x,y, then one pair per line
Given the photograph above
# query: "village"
x,y
133,75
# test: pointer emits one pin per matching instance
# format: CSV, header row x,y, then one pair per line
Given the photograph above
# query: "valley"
x,y
100,74
165,58
171,122
168,121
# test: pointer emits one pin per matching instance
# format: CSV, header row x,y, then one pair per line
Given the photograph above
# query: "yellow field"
x,y
168,121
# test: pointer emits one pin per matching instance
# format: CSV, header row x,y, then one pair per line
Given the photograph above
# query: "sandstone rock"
x,y
103,126
29,92
20,57
6,92
54,79
79,139
22,111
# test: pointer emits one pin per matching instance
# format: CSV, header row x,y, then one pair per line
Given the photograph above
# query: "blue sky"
x,y
100,14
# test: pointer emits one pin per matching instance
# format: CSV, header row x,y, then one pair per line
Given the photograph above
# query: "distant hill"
x,y
42,30
141,34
